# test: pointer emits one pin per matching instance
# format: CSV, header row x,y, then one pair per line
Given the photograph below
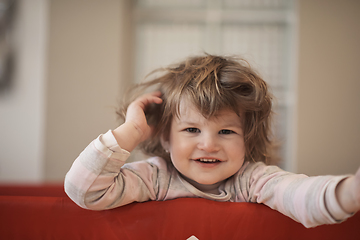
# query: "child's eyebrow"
x,y
231,124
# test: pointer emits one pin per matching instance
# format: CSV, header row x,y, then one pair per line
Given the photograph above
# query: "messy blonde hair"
x,y
211,83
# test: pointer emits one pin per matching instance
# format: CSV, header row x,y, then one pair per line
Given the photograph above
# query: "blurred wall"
x,y
22,104
329,87
85,73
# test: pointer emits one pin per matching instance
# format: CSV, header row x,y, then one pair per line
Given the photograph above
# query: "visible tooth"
x,y
207,160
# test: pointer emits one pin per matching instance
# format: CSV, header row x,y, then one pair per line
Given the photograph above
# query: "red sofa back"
x,y
57,217
44,190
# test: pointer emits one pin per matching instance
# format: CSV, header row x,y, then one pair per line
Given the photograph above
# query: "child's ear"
x,y
165,144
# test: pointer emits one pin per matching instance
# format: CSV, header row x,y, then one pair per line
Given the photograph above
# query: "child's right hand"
x,y
136,113
136,129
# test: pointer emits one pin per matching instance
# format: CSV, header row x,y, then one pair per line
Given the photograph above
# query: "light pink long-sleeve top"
x,y
99,179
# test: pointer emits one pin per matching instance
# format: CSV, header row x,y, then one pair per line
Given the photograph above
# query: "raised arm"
x,y
96,180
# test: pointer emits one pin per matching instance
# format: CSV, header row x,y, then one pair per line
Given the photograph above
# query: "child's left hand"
x,y
348,193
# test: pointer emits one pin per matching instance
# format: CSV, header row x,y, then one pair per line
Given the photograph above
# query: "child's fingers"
x,y
136,112
156,93
147,99
157,96
136,109
153,95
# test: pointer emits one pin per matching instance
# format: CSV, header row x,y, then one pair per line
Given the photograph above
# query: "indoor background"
x,y
72,61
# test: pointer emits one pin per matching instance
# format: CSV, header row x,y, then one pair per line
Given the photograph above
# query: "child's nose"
x,y
209,144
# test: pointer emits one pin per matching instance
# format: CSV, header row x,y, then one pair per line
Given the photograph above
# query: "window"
x,y
261,31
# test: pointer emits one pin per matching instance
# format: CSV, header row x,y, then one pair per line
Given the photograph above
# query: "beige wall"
x,y
83,77
329,87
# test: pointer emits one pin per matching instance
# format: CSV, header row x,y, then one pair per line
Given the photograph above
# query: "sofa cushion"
x,y
39,217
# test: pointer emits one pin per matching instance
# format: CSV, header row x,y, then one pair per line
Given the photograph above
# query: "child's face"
x,y
206,150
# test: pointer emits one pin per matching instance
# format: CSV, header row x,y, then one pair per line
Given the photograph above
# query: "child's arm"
x,y
97,179
348,193
311,201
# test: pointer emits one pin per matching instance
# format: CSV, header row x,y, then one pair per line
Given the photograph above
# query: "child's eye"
x,y
226,131
192,130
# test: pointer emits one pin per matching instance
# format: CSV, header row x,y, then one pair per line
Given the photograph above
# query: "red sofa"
x,y
45,212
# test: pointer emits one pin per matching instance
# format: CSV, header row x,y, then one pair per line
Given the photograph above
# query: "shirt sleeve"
x,y
308,200
99,180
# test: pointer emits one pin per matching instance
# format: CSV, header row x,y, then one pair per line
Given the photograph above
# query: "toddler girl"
x,y
206,124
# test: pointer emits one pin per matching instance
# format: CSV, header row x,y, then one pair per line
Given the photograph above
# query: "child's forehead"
x,y
188,112
185,104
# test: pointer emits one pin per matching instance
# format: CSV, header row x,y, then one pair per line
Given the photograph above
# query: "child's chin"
x,y
207,182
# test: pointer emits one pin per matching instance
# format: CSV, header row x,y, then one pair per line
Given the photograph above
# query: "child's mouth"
x,y
207,161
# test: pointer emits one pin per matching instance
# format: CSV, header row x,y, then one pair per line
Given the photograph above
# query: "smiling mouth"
x,y
205,160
